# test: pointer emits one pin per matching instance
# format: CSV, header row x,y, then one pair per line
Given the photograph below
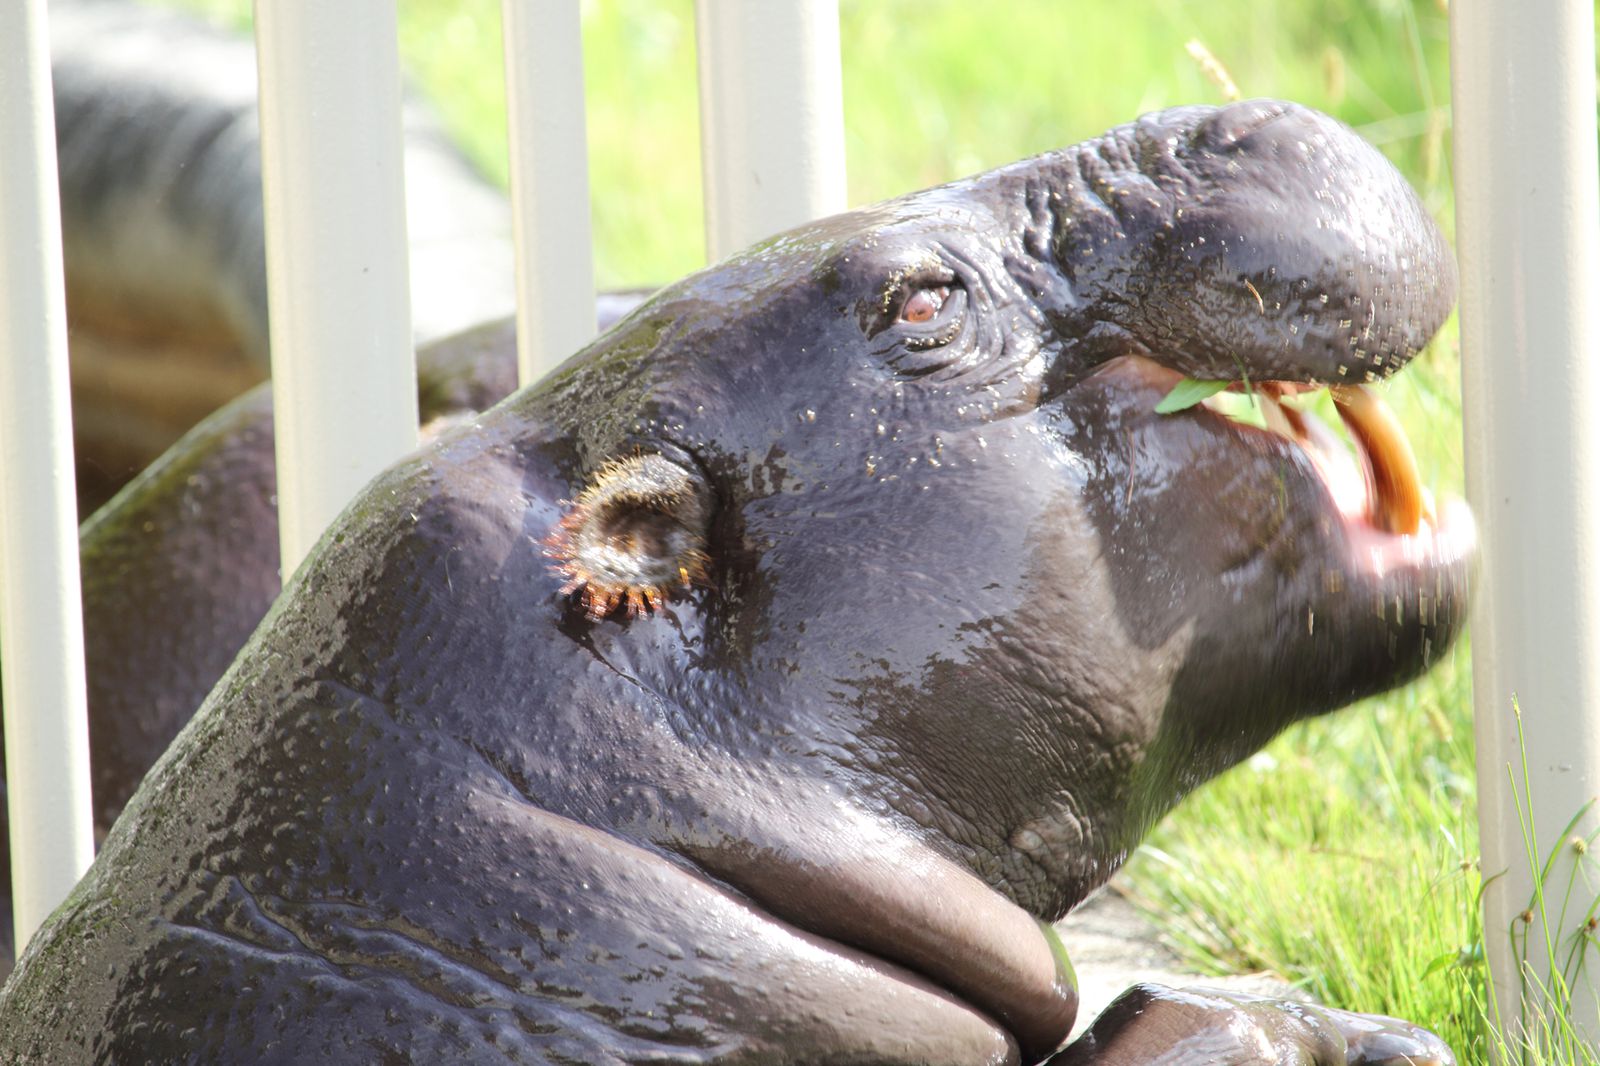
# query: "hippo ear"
x,y
633,535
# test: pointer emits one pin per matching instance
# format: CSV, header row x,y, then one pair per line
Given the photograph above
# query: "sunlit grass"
x,y
1341,857
1344,857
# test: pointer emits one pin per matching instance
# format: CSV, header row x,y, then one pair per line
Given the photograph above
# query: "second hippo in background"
x,y
758,687
160,169
182,564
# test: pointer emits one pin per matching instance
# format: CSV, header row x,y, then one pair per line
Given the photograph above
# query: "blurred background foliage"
x,y
937,89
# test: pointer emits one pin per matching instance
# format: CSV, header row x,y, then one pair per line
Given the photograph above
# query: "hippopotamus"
x,y
162,228
165,259
762,684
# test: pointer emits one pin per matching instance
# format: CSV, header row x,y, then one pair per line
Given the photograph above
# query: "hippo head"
x,y
857,578
886,500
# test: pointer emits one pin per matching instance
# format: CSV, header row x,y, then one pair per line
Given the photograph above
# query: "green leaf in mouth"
x,y
1188,392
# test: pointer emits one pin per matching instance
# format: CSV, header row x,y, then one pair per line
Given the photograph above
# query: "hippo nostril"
x,y
1238,121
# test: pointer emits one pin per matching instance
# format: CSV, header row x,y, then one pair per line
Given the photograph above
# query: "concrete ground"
x,y
1113,945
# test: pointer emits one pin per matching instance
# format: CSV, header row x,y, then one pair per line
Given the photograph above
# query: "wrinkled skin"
x,y
187,558
1150,1025
972,617
162,224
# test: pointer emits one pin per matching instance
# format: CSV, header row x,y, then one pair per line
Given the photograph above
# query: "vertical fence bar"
x,y
41,628
343,367
1528,229
771,117
549,182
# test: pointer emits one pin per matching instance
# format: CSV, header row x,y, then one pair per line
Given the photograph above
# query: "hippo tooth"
x,y
1285,421
1273,412
1397,502
1348,484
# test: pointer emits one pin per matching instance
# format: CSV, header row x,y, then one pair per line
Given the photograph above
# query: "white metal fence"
x,y
1528,234
1526,187
41,631
344,374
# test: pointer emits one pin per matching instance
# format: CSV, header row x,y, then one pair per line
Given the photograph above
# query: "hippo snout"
x,y
762,683
1261,240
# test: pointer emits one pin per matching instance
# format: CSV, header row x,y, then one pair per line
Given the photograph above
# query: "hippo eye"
x,y
924,304
917,318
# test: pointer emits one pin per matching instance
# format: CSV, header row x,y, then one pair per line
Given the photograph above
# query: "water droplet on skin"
x,y
1027,840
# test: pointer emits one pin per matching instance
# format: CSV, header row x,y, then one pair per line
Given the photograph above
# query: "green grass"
x,y
1343,856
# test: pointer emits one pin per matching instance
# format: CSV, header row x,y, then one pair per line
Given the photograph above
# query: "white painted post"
x,y
343,367
1528,230
41,628
549,182
771,117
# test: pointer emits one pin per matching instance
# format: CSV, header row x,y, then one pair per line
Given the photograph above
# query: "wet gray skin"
x,y
181,566
966,617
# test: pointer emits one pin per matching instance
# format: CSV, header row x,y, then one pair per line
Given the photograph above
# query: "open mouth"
x,y
1390,517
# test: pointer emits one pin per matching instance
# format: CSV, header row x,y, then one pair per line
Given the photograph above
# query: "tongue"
x,y
1397,501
